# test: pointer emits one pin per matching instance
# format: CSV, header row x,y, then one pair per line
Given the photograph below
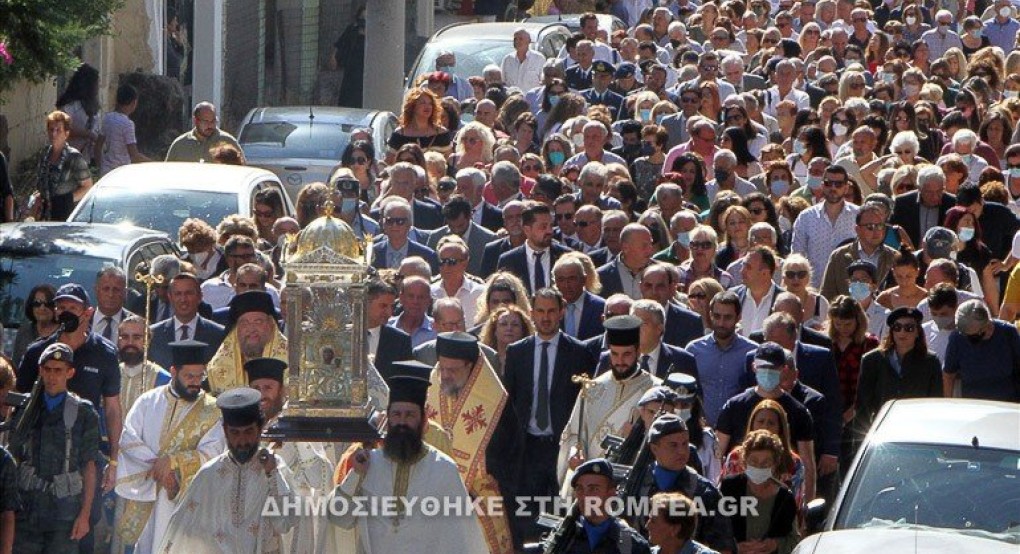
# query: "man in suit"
x,y
582,317
617,304
758,292
470,185
379,299
160,307
869,245
788,303
734,74
389,252
579,77
186,295
405,178
248,277
111,293
457,213
514,237
654,355
538,380
919,210
659,282
587,226
599,94
998,224
532,261
623,273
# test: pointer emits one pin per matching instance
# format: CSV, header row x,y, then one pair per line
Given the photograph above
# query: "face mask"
x,y
684,238
799,148
967,158
675,43
889,77
943,29
444,68
784,223
578,140
684,414
966,233
721,175
348,205
758,475
1014,172
944,322
974,33
68,322
768,379
859,290
839,129
646,115
911,20
911,90
1005,11
557,158
780,187
553,100
814,182
647,149
1010,93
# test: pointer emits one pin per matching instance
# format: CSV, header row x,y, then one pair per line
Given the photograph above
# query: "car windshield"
x,y
21,270
972,490
472,55
163,210
286,139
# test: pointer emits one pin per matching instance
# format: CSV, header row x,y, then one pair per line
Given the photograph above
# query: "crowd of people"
x,y
709,247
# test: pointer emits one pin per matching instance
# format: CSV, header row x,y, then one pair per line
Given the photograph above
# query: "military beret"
x,y
901,312
665,425
57,351
597,466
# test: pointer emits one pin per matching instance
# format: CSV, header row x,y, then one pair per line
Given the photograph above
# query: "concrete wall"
x,y
25,106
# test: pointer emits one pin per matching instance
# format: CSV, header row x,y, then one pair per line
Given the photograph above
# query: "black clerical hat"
x,y
240,407
409,382
265,368
189,352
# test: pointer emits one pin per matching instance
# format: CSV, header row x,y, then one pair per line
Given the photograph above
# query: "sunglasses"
x,y
359,160
40,303
564,217
904,153
697,296
399,221
264,213
450,261
581,224
689,100
700,245
757,211
833,183
873,226
793,274
904,327
735,117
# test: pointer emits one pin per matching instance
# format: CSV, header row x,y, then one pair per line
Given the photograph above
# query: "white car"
x,y
161,195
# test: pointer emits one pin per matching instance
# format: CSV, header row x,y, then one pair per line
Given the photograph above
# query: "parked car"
x,y
914,541
947,470
572,21
161,195
302,144
477,45
58,253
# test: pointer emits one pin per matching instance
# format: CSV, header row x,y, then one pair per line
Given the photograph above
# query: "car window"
x,y
145,253
472,56
551,44
20,270
281,139
952,487
270,185
162,210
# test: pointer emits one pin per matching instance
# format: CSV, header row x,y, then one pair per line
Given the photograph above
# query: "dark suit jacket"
x,y
206,331
574,79
907,213
600,257
380,248
609,99
590,320
596,345
815,95
752,82
479,237
671,360
807,336
394,346
998,225
492,217
682,326
519,379
490,257
515,262
609,274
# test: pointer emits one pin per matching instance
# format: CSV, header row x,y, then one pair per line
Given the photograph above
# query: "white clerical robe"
x,y
608,405
434,476
222,510
311,478
144,438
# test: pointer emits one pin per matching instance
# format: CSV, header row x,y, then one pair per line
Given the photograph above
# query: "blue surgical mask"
x,y
557,158
646,115
348,205
966,233
779,187
814,182
553,100
967,158
445,68
684,238
859,290
768,379
1010,93
799,148
758,475
1014,172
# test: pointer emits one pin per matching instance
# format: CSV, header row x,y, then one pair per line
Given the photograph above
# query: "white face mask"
x,y
758,475
784,223
839,129
1005,11
684,414
911,20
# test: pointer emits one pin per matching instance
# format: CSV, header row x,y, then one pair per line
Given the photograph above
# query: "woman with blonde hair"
x,y
507,325
699,293
851,85
474,145
810,36
957,64
663,109
736,223
502,288
420,123
797,273
770,416
644,102
711,104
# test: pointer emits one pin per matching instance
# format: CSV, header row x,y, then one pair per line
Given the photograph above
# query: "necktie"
x,y
542,404
644,362
184,332
108,330
539,272
571,320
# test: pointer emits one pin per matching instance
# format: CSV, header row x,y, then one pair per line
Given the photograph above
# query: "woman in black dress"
x,y
420,123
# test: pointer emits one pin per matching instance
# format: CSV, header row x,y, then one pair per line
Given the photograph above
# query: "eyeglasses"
x,y
735,117
710,68
248,256
531,167
873,226
811,32
450,261
470,140
264,213
701,245
904,153
564,217
860,20
833,183
796,274
581,224
757,211
421,193
360,160
697,296
904,327
902,119
398,221
41,303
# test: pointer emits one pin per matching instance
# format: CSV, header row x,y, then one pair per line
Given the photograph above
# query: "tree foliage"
x,y
41,35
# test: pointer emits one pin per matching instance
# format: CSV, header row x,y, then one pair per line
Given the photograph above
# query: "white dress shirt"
x,y
523,75
653,358
772,99
554,344
531,264
468,294
191,325
753,314
99,326
373,339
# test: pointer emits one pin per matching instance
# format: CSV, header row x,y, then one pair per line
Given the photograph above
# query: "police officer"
x,y
670,445
598,530
599,94
55,442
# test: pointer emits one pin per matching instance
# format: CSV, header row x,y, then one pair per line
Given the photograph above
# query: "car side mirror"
x,y
814,517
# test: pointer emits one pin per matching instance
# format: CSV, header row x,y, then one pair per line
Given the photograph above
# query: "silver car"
x,y
302,144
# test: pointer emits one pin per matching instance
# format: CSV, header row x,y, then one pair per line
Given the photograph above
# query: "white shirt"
x,y
876,319
554,344
119,133
937,339
815,236
753,314
468,294
634,10
961,297
218,292
373,339
577,307
798,97
653,358
191,325
99,326
523,75
545,261
741,186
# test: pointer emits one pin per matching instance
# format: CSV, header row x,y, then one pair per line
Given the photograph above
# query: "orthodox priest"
x,y
470,404
252,332
223,509
607,404
405,466
311,470
169,432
